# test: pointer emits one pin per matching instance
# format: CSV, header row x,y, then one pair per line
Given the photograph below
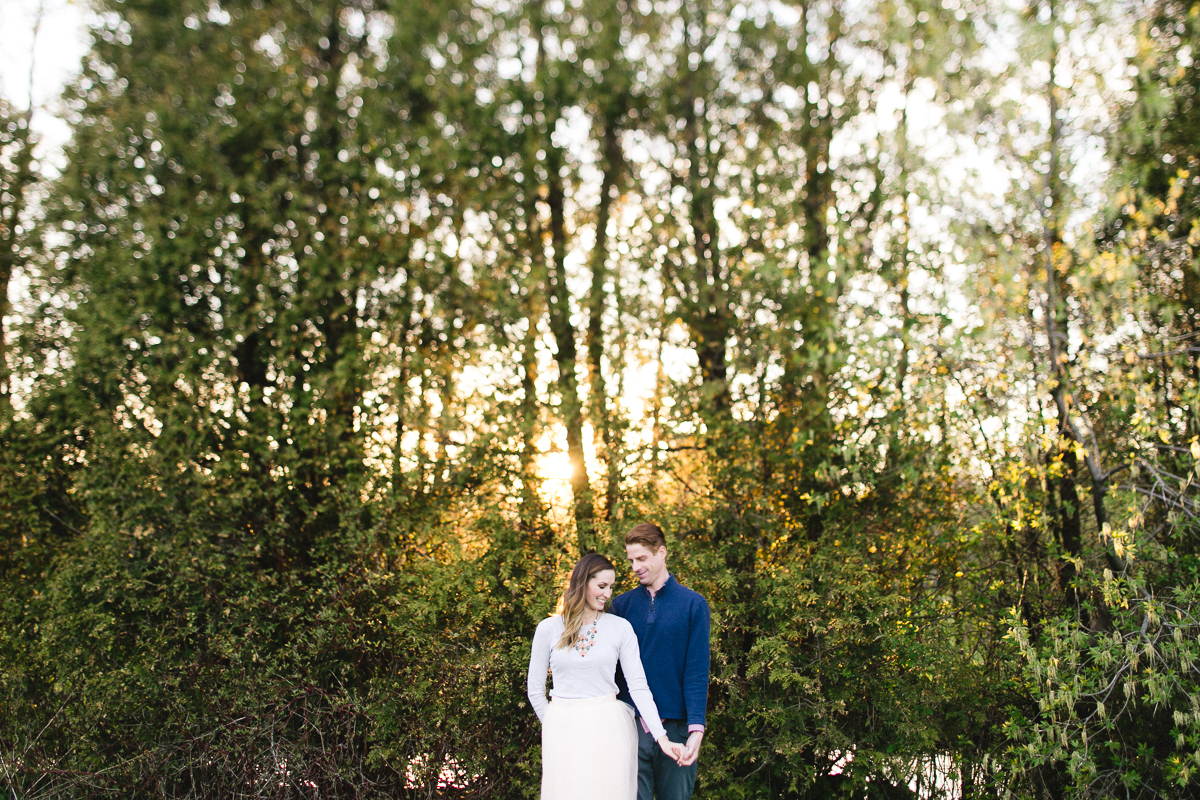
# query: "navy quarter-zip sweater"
x,y
672,632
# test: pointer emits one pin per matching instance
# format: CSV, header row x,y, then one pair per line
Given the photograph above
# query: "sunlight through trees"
x,y
348,324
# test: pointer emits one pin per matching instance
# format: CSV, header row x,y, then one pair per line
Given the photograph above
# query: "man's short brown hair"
x,y
648,535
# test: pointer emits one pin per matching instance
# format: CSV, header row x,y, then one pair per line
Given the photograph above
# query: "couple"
x,y
658,634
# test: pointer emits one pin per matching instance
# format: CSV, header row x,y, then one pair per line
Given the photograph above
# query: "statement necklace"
x,y
587,637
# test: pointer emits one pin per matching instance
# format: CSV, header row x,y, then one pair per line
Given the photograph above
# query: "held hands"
x,y
684,754
675,750
691,751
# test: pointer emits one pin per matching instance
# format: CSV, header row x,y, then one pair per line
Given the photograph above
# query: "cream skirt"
x,y
589,750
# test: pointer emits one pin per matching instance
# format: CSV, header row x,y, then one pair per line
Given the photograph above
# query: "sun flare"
x,y
554,471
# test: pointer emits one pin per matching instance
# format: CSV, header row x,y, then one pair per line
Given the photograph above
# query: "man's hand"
x,y
691,750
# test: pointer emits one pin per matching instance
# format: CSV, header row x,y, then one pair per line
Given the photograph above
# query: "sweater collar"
x,y
670,579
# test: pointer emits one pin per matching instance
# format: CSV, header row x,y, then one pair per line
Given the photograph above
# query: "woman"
x,y
589,744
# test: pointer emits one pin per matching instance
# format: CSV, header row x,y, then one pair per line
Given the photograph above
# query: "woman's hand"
x,y
673,749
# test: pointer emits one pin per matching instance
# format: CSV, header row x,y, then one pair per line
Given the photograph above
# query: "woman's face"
x,y
599,589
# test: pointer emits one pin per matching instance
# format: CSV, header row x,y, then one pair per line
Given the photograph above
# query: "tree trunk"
x,y
533,512
899,267
598,395
1056,338
13,191
709,317
567,357
400,394
559,302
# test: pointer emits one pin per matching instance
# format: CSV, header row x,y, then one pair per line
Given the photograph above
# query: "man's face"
x,y
648,566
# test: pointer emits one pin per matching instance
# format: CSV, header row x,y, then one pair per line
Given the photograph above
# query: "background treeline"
x,y
885,309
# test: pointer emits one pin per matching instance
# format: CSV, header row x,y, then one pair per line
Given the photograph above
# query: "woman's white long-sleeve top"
x,y
590,670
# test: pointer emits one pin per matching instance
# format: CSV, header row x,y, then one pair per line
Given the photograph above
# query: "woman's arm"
x,y
635,678
539,665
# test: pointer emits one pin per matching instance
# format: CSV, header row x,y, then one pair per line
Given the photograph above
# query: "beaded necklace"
x,y
587,638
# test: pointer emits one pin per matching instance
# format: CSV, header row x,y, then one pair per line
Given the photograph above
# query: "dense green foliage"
x,y
348,325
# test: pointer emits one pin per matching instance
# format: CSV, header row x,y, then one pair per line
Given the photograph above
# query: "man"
x,y
671,623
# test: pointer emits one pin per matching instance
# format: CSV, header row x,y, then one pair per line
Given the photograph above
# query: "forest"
x,y
345,327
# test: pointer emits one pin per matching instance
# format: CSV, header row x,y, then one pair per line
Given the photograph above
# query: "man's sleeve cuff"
x,y
695,728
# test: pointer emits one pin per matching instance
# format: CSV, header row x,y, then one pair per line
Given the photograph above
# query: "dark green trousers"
x,y
658,774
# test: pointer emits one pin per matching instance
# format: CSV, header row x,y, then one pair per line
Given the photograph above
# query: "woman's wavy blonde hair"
x,y
573,603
